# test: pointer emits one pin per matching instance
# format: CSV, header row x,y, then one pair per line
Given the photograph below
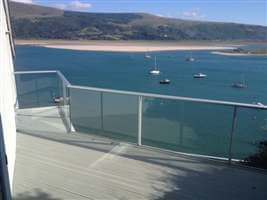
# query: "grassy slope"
x,y
20,10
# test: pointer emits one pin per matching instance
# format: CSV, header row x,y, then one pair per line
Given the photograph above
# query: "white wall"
x,y
7,92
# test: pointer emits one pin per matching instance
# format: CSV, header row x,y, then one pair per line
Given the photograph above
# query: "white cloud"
x,y
159,15
189,14
23,1
192,14
75,5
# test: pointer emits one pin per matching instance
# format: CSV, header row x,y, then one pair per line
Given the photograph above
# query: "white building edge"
x,y
7,96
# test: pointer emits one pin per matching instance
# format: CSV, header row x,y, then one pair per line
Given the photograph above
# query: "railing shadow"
x,y
105,145
40,116
37,194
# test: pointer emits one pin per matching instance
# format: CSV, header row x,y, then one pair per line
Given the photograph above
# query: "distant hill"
x,y
39,22
21,10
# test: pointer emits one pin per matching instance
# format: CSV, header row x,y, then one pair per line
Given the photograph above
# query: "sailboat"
x,y
190,59
147,55
200,75
155,71
240,84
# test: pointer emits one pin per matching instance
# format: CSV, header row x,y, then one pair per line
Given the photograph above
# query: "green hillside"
x,y
20,10
38,22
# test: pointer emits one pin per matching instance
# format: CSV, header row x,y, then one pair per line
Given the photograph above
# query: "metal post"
x,y
64,107
37,95
64,94
234,121
70,124
140,112
101,110
181,127
63,103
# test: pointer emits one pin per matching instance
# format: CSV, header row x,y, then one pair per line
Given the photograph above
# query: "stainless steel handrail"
x,y
36,72
197,100
63,78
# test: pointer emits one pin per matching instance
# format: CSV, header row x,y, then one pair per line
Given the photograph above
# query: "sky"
x,y
239,11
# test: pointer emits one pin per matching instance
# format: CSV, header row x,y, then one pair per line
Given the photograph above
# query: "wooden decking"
x,y
54,165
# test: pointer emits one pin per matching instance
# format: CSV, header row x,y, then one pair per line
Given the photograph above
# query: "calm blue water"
x,y
129,71
176,125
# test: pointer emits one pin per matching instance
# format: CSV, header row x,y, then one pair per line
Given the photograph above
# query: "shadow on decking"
x,y
219,184
39,116
38,195
104,147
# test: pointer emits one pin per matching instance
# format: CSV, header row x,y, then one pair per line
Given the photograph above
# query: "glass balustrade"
x,y
251,130
187,126
105,114
37,90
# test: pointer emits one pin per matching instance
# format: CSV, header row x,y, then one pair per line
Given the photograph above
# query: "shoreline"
x,y
128,46
132,48
236,54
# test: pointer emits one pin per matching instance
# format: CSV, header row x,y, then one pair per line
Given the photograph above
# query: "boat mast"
x,y
243,79
155,63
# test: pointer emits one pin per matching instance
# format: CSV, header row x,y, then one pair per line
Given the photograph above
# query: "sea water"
x,y
176,125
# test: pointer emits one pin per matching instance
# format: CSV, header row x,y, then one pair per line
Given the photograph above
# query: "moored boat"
x,y
155,71
200,75
165,81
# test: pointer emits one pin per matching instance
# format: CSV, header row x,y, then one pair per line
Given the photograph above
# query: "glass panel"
x,y
250,131
120,118
37,90
110,115
85,110
187,126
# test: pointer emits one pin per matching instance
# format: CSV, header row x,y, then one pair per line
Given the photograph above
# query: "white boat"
x,y
165,81
240,84
200,75
155,71
147,55
258,103
190,59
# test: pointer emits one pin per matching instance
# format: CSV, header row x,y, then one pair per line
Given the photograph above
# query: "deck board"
x,y
54,165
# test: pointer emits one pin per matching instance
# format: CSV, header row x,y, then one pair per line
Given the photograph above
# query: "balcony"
x,y
79,142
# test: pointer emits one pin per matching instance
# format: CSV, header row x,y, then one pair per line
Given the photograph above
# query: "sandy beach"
x,y
126,46
229,54
236,54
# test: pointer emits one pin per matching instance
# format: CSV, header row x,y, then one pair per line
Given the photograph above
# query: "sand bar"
x,y
236,54
128,46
